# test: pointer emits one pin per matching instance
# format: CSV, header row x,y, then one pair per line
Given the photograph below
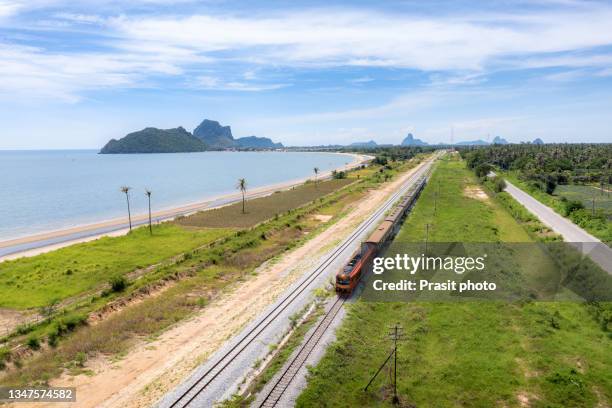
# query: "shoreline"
x,y
50,240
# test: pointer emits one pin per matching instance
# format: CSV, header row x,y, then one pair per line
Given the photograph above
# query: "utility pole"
x,y
396,334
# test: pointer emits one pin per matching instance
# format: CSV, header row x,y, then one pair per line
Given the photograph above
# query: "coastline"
x,y
48,241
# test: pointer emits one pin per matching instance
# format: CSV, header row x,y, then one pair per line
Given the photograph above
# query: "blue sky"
x,y
75,74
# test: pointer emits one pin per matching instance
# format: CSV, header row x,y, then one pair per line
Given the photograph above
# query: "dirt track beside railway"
x,y
153,368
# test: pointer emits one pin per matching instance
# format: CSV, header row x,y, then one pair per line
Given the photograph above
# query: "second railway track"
x,y
190,394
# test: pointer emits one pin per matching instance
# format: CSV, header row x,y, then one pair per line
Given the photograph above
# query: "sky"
x,y
76,74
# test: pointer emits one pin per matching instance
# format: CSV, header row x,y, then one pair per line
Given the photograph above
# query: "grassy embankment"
x,y
600,227
196,276
476,354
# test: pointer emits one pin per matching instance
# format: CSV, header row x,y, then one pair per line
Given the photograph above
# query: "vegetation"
x,y
148,194
263,208
242,186
126,190
153,140
47,278
469,353
566,177
197,275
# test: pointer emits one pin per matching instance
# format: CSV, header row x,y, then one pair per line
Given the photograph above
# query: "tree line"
x,y
545,166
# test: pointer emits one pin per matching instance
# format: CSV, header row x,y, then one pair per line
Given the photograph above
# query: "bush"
x,y
118,284
339,175
572,205
33,343
499,185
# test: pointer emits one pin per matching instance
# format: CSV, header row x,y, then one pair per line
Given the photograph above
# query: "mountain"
x,y
478,142
371,143
153,140
538,141
409,140
254,142
214,135
499,141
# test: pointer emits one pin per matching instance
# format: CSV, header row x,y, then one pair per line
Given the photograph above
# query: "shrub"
x,y
499,185
118,284
33,343
572,205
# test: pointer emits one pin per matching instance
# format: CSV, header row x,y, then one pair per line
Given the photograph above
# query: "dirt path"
x,y
153,368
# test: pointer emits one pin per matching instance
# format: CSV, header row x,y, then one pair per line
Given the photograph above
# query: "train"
x,y
349,276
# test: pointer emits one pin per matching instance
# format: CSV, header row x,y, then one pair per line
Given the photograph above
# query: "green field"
x,y
43,279
586,195
195,277
469,354
599,226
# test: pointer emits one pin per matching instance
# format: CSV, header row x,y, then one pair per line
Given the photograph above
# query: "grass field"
x,y
600,227
261,209
43,279
469,354
197,276
586,195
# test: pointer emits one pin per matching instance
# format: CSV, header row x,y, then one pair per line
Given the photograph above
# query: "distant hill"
x,y
538,141
478,142
153,140
409,140
214,135
371,143
500,140
209,135
254,142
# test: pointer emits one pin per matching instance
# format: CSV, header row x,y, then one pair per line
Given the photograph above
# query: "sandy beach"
x,y
48,241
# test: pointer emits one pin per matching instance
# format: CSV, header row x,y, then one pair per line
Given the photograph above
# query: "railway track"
x,y
280,386
186,397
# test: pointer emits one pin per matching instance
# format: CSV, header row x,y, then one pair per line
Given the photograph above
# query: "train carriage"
x,y
348,278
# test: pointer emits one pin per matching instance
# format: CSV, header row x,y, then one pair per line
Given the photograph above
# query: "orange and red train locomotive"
x,y
350,275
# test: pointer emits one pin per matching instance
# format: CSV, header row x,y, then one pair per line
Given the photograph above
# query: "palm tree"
x,y
126,191
316,172
148,193
242,186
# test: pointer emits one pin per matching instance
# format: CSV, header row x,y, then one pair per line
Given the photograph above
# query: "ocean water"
x,y
42,191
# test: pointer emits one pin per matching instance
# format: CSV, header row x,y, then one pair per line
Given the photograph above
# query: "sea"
x,y
42,191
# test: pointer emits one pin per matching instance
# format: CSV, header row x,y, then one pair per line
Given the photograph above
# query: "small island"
x,y
209,135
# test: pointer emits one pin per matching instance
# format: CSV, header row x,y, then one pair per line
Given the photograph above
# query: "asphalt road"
x,y
588,244
226,382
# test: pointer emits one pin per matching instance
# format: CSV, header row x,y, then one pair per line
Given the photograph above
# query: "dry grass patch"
x,y
476,193
261,209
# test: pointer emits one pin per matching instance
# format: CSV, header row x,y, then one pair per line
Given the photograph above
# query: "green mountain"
x,y
153,140
255,142
214,135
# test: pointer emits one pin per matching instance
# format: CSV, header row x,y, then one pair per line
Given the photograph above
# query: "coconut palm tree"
x,y
148,193
316,172
242,186
126,190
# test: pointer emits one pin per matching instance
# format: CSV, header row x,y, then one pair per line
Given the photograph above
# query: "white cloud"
x,y
457,49
349,37
218,84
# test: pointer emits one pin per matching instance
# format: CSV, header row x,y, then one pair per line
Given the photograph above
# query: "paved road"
x,y
227,381
588,244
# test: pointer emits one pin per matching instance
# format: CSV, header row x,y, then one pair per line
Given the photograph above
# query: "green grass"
x,y
40,280
197,276
264,208
468,354
586,195
458,216
600,226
